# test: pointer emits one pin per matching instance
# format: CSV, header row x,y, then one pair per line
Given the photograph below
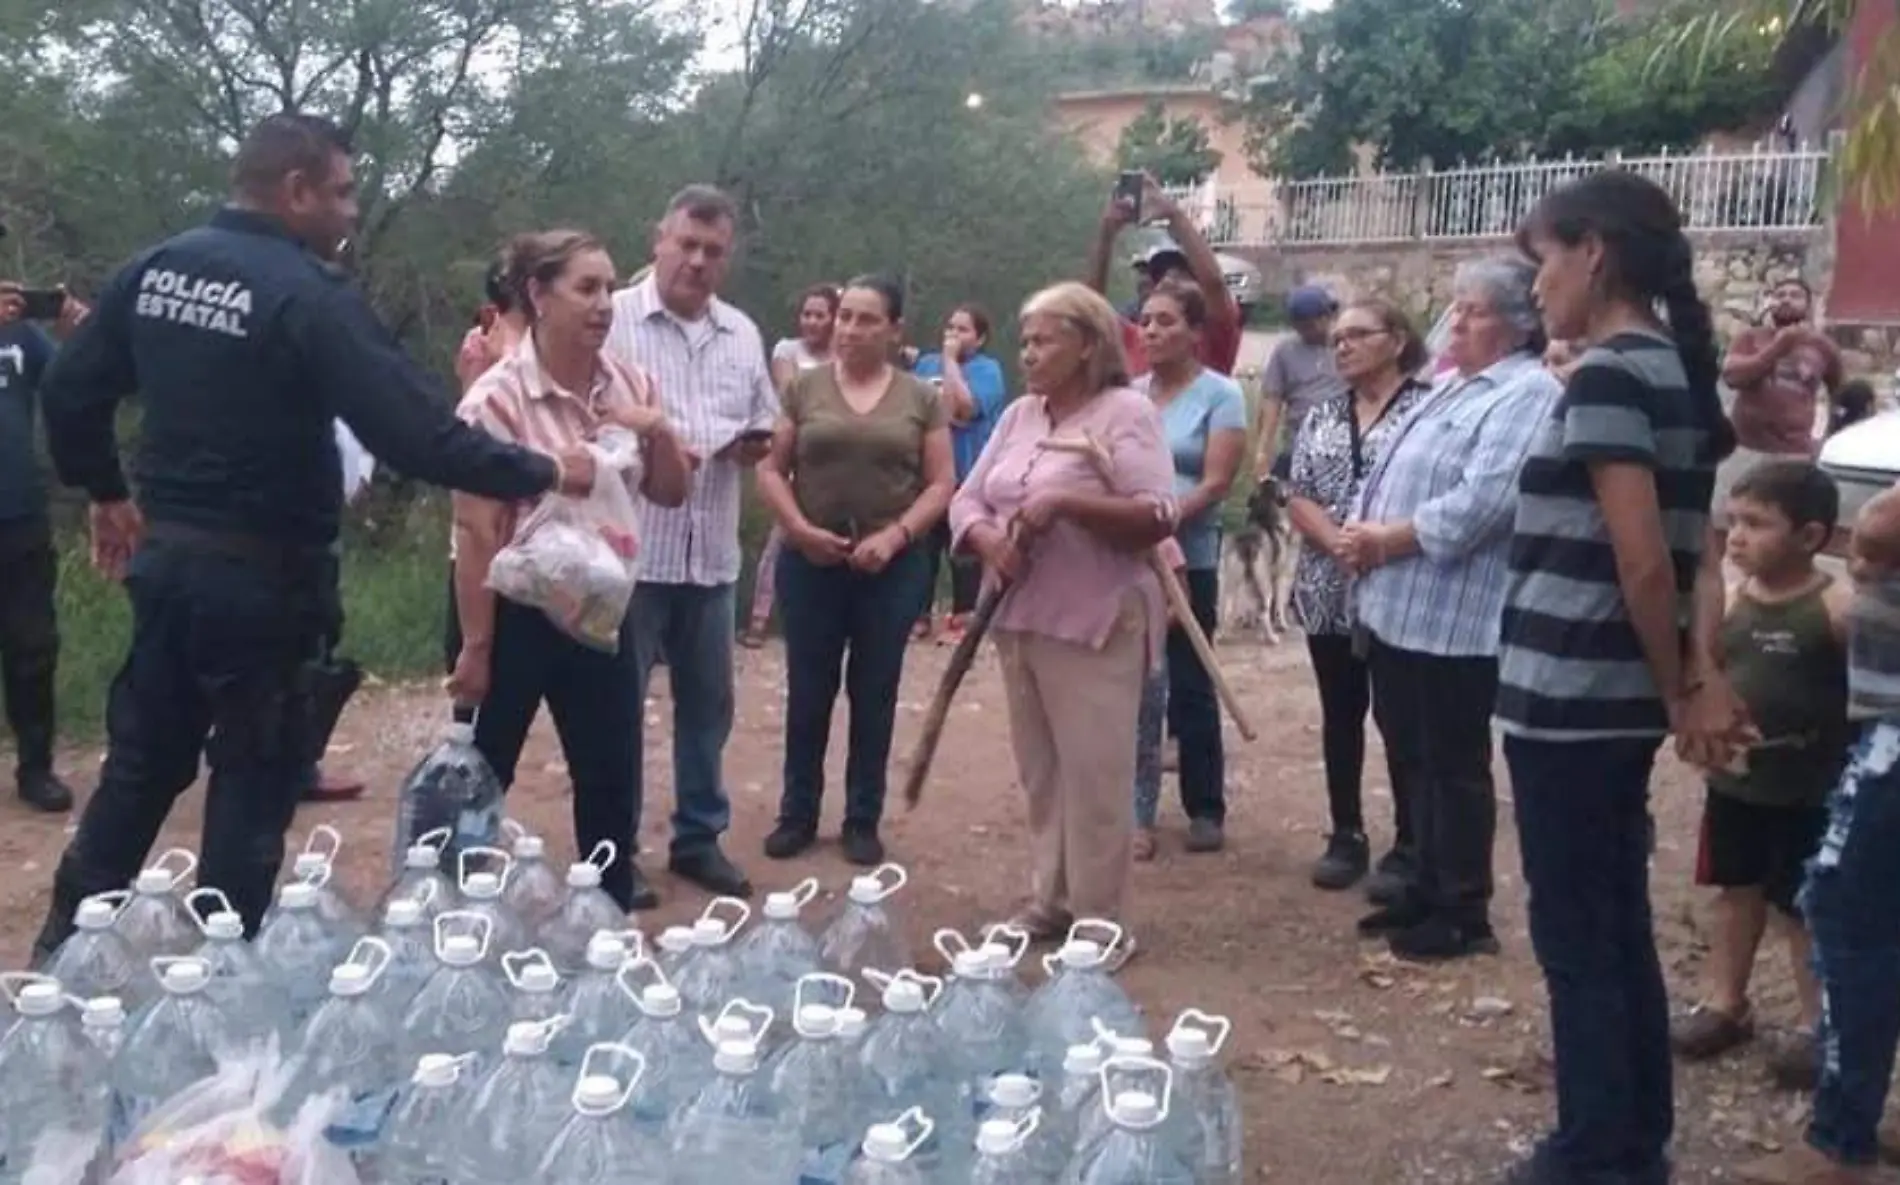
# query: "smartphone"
x,y
42,304
1128,188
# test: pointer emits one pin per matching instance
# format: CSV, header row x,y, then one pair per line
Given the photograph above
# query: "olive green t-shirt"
x,y
855,473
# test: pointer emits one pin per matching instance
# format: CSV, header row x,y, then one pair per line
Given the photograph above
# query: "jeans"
x,y
1345,696
1852,902
596,706
966,571
691,626
830,612
1193,707
1435,714
1148,729
1583,826
29,637
216,669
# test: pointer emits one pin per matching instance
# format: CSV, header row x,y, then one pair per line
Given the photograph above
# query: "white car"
x,y
1863,460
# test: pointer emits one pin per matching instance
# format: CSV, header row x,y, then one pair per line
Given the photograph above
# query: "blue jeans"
x,y
1852,902
691,627
1148,729
830,612
1583,827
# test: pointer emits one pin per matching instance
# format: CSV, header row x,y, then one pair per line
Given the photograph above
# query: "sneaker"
x,y
1706,1033
1391,879
1392,919
1347,857
862,846
789,840
1799,1164
1205,835
1794,1060
1440,939
42,790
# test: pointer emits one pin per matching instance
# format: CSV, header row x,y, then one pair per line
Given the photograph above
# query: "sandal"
x,y
1143,847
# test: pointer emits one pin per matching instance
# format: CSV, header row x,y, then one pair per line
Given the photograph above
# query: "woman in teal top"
x,y
1204,418
974,395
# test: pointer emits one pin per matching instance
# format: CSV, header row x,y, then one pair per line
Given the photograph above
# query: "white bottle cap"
x,y
1192,1046
308,865
481,886
904,996
539,978
95,914
583,876
660,999
436,1070
709,932
731,1028
606,952
40,999
676,940
524,1039
103,1012
1014,1090
969,964
297,895
1080,953
817,1021
737,1057
781,907
997,1137
459,733
224,926
1134,1047
852,1023
530,847
153,882
349,979
403,913
597,1092
1134,1108
1082,1059
420,857
185,976
866,890
886,1143
461,950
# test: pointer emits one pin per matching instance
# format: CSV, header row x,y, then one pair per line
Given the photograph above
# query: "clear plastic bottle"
x,y
714,974
982,1023
585,910
1005,1153
822,1084
539,992
419,877
50,1074
97,960
598,1146
911,1065
519,1106
892,1153
464,1007
868,933
155,923
406,928
1094,1125
601,1004
1077,1095
172,1044
240,986
677,1065
674,950
1079,993
316,865
429,1122
1136,1151
778,952
350,1046
1016,1101
734,1132
1205,1109
102,1019
482,894
451,789
534,890
297,951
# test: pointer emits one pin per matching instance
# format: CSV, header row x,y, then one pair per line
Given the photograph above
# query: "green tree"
x,y
1175,150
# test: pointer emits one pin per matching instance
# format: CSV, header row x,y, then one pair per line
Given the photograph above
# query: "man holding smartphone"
x,y
29,627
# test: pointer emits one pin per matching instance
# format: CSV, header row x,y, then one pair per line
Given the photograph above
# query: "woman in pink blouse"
x,y
1083,619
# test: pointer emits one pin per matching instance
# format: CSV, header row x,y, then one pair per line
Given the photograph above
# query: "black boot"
x,y
41,789
1347,857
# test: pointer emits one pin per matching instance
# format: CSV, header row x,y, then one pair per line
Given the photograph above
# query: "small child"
x,y
1783,644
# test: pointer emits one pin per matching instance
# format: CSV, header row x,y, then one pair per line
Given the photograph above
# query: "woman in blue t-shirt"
x,y
974,395
1204,418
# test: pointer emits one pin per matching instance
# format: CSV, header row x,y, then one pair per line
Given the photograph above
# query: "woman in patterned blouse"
x,y
1378,353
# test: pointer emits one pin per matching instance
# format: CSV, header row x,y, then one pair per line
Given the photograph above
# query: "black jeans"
x,y
827,612
1583,826
1345,697
966,571
217,669
1435,714
594,699
1194,708
29,637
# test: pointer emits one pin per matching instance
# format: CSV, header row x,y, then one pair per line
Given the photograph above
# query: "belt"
x,y
239,545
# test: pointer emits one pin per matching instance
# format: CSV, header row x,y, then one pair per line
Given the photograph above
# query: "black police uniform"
x,y
243,348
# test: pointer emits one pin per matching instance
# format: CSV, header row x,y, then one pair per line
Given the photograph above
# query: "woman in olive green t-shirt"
x,y
869,446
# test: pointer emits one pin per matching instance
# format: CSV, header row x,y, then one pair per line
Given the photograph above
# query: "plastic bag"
x,y
576,559
221,1132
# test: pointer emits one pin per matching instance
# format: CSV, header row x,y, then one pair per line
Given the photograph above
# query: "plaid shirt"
x,y
1452,473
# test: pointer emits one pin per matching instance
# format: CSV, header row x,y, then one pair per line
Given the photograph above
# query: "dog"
x,y
1257,566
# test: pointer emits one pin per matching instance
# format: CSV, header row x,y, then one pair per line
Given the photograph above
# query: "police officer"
x,y
244,344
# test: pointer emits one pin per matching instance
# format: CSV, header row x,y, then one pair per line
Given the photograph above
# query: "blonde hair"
x,y
539,257
1096,320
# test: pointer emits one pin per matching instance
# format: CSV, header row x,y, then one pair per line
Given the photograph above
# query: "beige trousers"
x,y
1072,713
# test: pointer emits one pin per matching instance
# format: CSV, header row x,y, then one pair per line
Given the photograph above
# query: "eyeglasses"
x,y
1352,337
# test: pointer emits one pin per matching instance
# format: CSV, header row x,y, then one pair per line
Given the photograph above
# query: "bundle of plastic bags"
x,y
576,559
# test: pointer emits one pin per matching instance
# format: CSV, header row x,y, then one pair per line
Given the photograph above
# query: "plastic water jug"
x,y
602,1004
778,952
982,1022
451,789
674,949
350,1045
482,893
714,974
822,1083
1005,1153
408,929
911,1065
172,1044
868,932
154,923
102,1019
734,1132
539,992
677,1065
1136,1151
50,1074
1205,1109
585,910
297,951
463,1008
1077,1094
1079,992
419,877
598,1146
892,1153
520,1105
1016,1102
427,1124
317,864
240,985
97,960
534,890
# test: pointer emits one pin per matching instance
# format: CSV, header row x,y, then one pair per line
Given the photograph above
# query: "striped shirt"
x,y
1452,473
1571,664
1873,652
714,383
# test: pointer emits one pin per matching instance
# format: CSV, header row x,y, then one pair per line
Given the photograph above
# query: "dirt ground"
x,y
1354,1070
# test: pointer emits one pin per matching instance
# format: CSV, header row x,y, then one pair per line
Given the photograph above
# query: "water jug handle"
x,y
164,963
425,896
623,978
806,891
881,980
460,1062
918,1126
216,896
759,1012
187,863
1050,962
1027,1127
604,854
1083,927
949,943
326,835
1194,1019
118,899
437,839
463,714
590,1068
931,985
1138,1068
505,861
822,979
372,953
1012,938
741,912
11,982
513,830
891,877
514,962
634,939
480,923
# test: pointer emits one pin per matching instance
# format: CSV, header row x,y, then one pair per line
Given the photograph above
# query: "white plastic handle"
x,y
881,980
460,1062
512,830
1051,964
437,839
630,940
625,976
203,917
515,963
806,891
950,943
923,1125
931,985
604,854
1013,939
1194,1020
742,913
118,899
846,991
709,1029
590,1069
164,963
372,954
327,836
188,864
1083,927
14,982
1139,1069
890,878
425,896
1026,1128
482,926
503,861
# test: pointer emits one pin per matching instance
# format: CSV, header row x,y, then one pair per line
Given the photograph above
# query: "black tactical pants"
x,y
29,637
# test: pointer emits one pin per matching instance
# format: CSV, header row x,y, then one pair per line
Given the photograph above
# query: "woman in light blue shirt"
x,y
1204,419
974,395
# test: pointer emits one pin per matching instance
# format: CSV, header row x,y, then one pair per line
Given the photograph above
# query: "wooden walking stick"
x,y
1178,603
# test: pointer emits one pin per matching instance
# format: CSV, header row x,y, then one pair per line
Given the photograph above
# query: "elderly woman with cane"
x,y
1430,546
1083,618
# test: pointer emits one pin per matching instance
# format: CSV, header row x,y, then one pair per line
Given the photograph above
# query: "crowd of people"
x,y
1527,535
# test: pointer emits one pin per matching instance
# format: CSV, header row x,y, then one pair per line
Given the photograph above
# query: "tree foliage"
x,y
1176,151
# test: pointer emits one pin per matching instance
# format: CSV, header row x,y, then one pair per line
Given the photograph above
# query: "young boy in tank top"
x,y
1784,646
